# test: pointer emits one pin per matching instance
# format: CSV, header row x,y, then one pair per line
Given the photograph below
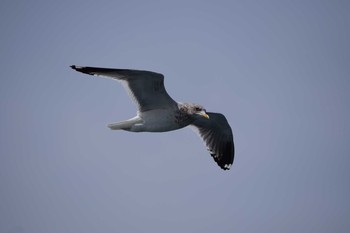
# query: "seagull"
x,y
158,112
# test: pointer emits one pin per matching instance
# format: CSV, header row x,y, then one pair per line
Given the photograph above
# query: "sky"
x,y
278,70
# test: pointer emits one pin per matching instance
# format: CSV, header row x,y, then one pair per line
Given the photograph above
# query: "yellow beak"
x,y
203,114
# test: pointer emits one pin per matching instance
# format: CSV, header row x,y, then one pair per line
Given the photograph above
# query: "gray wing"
x,y
145,87
218,137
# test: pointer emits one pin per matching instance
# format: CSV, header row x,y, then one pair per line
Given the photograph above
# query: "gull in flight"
x,y
158,112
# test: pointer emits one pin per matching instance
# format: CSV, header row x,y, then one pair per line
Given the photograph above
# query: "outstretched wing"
x,y
217,135
145,87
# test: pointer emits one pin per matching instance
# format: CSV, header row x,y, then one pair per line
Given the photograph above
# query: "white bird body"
x,y
146,122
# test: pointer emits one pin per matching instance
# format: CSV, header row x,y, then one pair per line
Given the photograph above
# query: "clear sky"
x,y
278,70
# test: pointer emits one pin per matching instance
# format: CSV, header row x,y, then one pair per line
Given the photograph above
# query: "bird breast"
x,y
162,120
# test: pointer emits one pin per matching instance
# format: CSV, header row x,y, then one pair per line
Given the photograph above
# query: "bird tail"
x,y
127,125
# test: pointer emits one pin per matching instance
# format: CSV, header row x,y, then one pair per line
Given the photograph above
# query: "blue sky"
x,y
278,70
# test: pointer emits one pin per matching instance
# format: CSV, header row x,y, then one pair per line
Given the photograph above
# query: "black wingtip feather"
x,y
74,67
225,162
82,69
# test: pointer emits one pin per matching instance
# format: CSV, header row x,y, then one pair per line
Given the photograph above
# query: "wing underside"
x,y
217,136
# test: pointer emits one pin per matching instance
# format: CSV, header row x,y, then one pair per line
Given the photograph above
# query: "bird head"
x,y
193,110
199,110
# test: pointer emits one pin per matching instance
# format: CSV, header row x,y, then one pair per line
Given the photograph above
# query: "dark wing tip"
x,y
224,166
82,69
74,67
221,161
229,150
225,161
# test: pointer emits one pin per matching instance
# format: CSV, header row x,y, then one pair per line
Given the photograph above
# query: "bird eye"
x,y
198,109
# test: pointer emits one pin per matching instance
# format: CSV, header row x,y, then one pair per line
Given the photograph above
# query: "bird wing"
x,y
217,135
146,88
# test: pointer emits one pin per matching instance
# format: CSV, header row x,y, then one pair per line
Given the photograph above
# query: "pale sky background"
x,y
278,70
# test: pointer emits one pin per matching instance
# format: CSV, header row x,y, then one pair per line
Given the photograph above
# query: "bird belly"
x,y
160,120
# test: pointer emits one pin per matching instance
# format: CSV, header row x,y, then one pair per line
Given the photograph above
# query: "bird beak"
x,y
203,114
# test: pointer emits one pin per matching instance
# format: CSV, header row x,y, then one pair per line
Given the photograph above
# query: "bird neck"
x,y
183,115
